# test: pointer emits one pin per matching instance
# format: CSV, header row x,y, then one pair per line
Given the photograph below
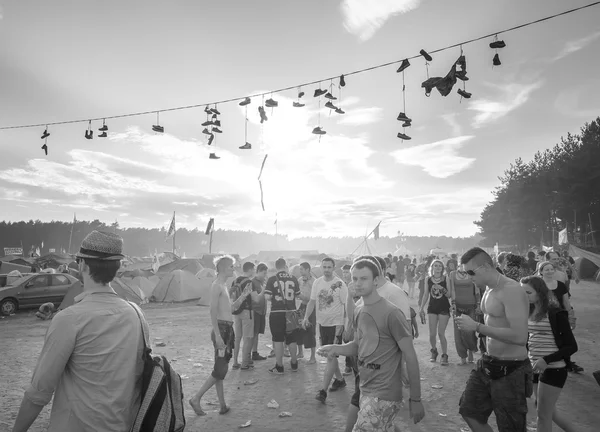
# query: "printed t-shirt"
x,y
395,295
330,300
379,328
283,289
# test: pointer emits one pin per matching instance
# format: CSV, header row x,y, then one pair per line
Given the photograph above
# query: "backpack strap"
x,y
145,330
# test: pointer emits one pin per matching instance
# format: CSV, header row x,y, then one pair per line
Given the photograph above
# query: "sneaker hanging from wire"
x,y
245,102
103,135
158,128
46,134
214,156
497,44
263,114
45,148
403,118
404,65
342,81
464,93
246,146
329,96
318,131
340,111
496,61
330,105
319,92
271,103
298,105
403,136
426,55
216,130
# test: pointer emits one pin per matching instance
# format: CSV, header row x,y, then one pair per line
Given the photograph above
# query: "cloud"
x,y
568,102
451,120
576,45
511,97
438,159
361,116
363,18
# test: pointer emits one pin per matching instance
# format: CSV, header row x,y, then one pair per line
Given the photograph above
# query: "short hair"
x,y
328,259
102,271
370,262
502,257
280,264
542,253
247,266
382,263
478,255
305,265
531,255
261,267
346,267
221,259
552,252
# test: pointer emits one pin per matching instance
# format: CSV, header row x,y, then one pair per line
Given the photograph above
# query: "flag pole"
x,y
174,233
71,236
210,241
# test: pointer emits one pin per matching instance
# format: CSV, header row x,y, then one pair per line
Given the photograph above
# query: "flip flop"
x,y
224,410
198,410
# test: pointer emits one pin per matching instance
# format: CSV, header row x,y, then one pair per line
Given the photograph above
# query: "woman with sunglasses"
x,y
550,343
437,294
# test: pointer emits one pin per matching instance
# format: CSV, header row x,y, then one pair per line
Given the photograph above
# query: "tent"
x,y
402,251
189,264
179,286
7,267
136,272
121,288
13,276
144,284
54,260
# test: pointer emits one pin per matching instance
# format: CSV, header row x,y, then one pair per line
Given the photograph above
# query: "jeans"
x,y
462,339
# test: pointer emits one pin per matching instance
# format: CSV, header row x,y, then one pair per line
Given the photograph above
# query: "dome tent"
x,y
180,286
122,289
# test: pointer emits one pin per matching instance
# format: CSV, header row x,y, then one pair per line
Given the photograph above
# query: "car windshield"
x,y
19,281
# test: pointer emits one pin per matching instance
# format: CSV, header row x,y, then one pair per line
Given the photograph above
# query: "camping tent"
x,y
144,284
121,288
7,267
179,286
189,264
54,260
401,251
13,276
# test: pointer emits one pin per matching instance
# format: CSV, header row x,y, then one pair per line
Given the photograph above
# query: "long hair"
x,y
544,302
431,266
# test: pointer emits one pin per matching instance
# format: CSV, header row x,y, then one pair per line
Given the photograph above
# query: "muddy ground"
x,y
186,330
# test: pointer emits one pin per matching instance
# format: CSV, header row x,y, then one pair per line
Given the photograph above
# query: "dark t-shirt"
x,y
259,304
283,289
243,281
559,293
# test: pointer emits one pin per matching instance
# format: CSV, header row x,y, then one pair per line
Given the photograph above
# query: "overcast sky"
x,y
65,60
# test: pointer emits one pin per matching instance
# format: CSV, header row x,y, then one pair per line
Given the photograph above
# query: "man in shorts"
x,y
222,335
329,294
307,337
243,321
502,380
381,340
282,289
259,307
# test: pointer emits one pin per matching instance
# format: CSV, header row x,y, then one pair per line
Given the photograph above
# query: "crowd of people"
x,y
515,311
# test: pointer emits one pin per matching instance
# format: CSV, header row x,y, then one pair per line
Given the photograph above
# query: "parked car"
x,y
34,290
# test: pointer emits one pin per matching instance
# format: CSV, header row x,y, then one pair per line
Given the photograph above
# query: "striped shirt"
x,y
541,342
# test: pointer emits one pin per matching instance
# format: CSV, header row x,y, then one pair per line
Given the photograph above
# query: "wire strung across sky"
x,y
307,83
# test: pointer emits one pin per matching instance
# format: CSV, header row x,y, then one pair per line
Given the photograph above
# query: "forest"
x,y
559,188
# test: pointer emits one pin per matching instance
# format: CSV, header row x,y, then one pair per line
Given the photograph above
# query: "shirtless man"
x,y
222,335
502,381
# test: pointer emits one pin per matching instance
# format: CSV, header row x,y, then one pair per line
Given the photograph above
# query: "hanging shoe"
x,y
104,128
426,55
464,93
103,135
46,134
217,123
300,94
497,44
158,128
263,115
319,92
496,60
216,130
211,139
214,156
342,81
208,123
330,96
89,134
45,148
403,118
403,136
340,111
330,105
206,131
462,75
407,124
298,105
318,131
245,102
246,146
215,111
271,103
214,117
207,110
405,64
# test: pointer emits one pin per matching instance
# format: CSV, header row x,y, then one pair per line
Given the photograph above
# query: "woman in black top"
x,y
557,289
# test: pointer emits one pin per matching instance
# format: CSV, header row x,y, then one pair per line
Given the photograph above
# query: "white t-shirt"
x,y
330,301
395,295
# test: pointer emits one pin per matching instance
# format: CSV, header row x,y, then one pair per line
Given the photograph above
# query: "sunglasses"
x,y
472,272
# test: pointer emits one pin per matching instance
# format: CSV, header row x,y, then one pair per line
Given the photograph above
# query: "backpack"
x,y
236,291
161,408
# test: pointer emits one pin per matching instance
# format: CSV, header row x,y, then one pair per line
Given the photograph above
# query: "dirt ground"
x,y
185,328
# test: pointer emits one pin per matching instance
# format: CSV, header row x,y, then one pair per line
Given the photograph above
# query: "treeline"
x,y
143,242
559,188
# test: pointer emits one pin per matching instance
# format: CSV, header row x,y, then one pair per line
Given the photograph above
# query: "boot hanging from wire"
x,y
157,127
342,84
297,103
318,130
45,136
103,129
329,95
462,75
496,45
89,133
407,122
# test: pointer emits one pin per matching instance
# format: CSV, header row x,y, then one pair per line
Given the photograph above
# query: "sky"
x,y
67,60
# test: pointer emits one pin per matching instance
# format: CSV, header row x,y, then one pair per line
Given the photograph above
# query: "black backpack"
x,y
235,293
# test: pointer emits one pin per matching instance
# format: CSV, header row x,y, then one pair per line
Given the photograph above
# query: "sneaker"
x,y
461,75
347,371
464,93
337,384
216,130
300,94
263,115
444,360
206,131
330,105
271,354
214,116
340,111
215,111
342,81
90,135
245,102
434,354
497,44
496,61
597,376
103,135
158,128
574,367
45,148
256,356
318,131
246,367
426,55
207,123
235,365
403,136
277,370
214,156
271,103
403,118
104,128
46,134
319,92
217,123
294,366
406,124
207,110
330,96
321,396
246,146
211,138
405,64
298,105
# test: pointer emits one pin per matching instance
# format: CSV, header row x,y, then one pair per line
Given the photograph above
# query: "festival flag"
x,y
210,227
376,232
563,237
171,230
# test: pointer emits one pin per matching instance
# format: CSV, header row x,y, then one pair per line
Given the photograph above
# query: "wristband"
x,y
414,400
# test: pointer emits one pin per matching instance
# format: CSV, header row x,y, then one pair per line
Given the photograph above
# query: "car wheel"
x,y
8,306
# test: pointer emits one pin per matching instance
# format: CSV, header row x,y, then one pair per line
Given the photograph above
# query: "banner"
x,y
563,237
210,227
376,232
171,230
51,250
13,251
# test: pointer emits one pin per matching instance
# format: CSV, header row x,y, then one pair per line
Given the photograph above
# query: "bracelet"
x,y
414,400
